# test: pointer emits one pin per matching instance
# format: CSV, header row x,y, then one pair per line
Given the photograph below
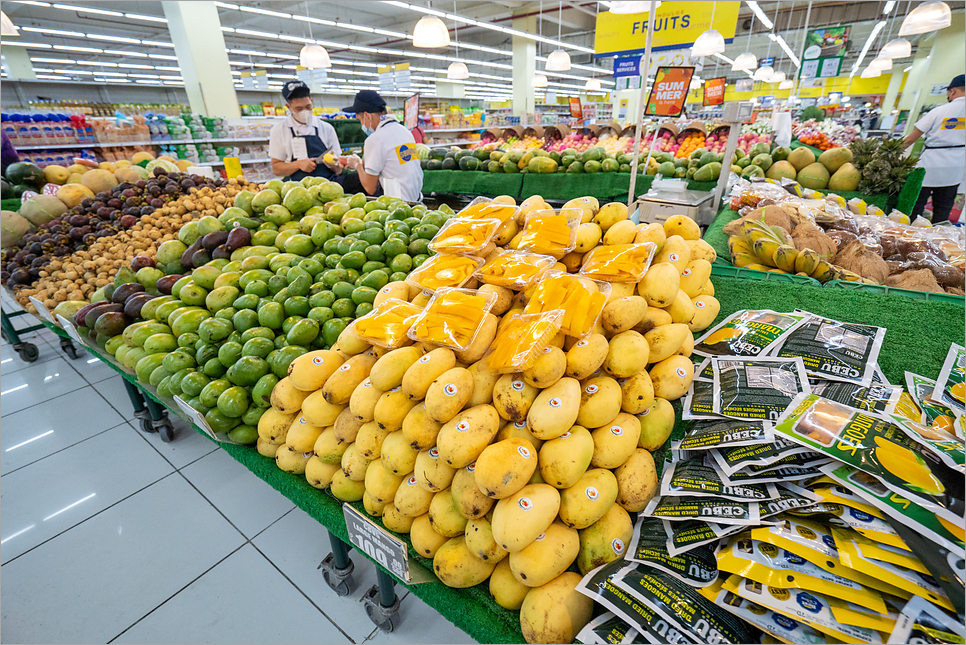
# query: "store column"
x,y
524,66
895,82
200,47
16,62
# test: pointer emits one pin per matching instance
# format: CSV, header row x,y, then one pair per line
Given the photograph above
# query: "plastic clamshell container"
x,y
522,339
444,270
486,208
387,324
618,262
465,236
581,298
515,270
452,318
550,232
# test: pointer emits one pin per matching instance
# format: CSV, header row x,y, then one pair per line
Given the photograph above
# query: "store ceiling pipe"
x,y
430,32
929,16
897,48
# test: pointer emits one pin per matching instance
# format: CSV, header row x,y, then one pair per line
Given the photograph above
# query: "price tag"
x,y
196,418
383,547
42,310
72,331
233,167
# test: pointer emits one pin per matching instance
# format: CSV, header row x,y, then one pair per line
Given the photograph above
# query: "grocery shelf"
x,y
471,129
441,144
121,144
243,162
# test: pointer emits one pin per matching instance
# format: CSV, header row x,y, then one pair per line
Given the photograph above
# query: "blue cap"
x,y
367,101
959,81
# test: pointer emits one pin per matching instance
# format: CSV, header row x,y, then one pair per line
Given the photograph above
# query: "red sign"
x,y
714,91
411,111
671,86
575,110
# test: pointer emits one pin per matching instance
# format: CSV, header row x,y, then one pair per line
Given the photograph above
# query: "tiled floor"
x,y
110,535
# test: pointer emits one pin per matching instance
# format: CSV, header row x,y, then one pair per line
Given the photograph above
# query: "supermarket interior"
x,y
483,322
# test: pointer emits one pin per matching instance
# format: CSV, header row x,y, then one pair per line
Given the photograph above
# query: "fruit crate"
x,y
894,291
752,274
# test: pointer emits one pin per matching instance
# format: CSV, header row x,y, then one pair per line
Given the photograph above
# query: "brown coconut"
x,y
774,216
956,292
856,257
808,236
920,280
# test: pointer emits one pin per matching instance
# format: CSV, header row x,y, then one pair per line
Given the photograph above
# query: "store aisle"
x,y
110,535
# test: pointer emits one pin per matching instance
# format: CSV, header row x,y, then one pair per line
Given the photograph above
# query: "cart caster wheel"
x,y
385,626
339,580
147,425
28,352
69,349
380,615
166,431
341,587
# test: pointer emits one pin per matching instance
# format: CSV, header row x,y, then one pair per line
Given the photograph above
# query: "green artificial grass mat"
x,y
459,182
11,204
715,235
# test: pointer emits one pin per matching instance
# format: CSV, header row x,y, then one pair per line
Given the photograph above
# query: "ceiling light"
x,y
66,61
314,57
346,25
788,50
631,7
868,43
592,85
539,80
164,57
133,41
137,16
119,52
95,62
760,14
787,84
457,71
30,45
71,48
745,61
558,61
871,72
898,48
907,69
777,77
430,32
102,12
708,43
260,34
764,73
888,7
157,43
318,21
881,63
52,32
929,16
265,12
695,84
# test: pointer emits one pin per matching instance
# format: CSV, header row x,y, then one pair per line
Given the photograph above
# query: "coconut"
x,y
808,236
774,216
858,258
920,280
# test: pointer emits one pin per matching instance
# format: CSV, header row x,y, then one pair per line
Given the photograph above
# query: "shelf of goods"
x,y
283,315
122,144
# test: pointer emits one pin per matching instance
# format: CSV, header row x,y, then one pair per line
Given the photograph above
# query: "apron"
x,y
314,149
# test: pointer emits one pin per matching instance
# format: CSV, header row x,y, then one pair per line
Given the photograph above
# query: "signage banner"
x,y
575,110
812,83
627,66
714,91
671,85
677,24
674,58
765,62
828,42
824,67
744,85
411,112
628,83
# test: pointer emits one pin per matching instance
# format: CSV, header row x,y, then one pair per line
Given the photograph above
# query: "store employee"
x,y
944,155
301,139
390,159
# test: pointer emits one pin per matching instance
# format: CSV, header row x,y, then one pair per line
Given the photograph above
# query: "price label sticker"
x,y
387,550
72,331
196,417
42,310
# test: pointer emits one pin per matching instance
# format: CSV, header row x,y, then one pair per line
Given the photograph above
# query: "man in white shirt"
x,y
944,155
390,159
298,143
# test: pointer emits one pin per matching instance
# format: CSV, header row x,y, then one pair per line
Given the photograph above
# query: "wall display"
x,y
744,85
714,90
411,111
825,67
677,24
627,66
669,92
575,110
831,41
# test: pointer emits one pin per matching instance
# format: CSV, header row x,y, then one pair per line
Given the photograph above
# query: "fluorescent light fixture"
x,y
539,80
18,43
157,43
897,48
264,12
64,61
119,52
103,12
314,57
430,32
21,531
318,21
170,69
558,61
32,2
881,63
138,16
744,62
907,69
457,71
143,75
176,78
132,41
260,34
927,17
135,66
865,48
225,5
708,43
71,48
97,63
227,30
52,78
888,7
346,25
846,99
788,50
760,14
52,32
164,57
247,52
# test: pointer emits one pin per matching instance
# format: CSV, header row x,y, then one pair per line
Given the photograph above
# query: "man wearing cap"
x,y
297,143
390,159
944,155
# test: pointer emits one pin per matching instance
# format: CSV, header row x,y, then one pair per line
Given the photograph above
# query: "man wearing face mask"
x,y
389,151
297,143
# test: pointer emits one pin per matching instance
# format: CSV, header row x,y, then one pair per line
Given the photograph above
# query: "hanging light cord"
x,y
311,37
456,31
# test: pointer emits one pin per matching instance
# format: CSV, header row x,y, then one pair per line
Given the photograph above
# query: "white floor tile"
x,y
218,608
40,431
248,502
189,445
47,497
93,582
113,390
11,362
37,384
93,369
417,622
297,544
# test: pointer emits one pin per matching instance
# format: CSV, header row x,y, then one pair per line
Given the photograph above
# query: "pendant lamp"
x,y
929,16
882,63
457,71
777,77
7,27
540,80
632,7
592,85
558,60
746,61
787,84
709,43
430,33
898,48
871,72
764,73
314,57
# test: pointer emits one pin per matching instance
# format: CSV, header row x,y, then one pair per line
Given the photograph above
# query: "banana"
x,y
784,258
737,244
757,267
807,261
765,250
824,272
742,260
780,233
752,230
850,276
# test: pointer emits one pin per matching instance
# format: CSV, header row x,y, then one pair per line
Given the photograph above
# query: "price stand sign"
x,y
714,91
386,549
670,90
199,420
42,310
411,112
72,331
575,110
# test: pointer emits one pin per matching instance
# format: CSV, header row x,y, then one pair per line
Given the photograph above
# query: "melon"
x,y
835,158
55,174
108,166
162,162
184,164
801,157
131,174
40,209
99,180
143,155
77,168
12,228
123,163
780,170
814,175
75,178
73,194
846,178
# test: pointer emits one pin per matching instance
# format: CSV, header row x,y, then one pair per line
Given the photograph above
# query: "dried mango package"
x,y
859,616
780,626
951,384
933,414
725,433
780,474
833,493
950,449
876,550
712,509
696,567
607,629
790,497
756,388
618,262
748,333
703,371
444,270
465,236
699,402
866,524
551,232
834,350
387,324
878,398
514,269
681,604
691,534
776,567
921,622
693,478
733,459
947,567
811,608
522,339
452,318
581,299
878,447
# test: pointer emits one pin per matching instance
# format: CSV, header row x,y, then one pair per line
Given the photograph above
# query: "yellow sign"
x,y
233,167
398,67
677,24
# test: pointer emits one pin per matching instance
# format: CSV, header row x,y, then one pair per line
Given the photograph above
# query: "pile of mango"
x,y
510,477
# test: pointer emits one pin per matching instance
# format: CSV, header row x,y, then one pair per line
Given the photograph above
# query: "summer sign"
x,y
670,89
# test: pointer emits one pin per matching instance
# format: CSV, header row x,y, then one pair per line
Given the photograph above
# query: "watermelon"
x,y
449,163
469,162
434,164
25,173
6,190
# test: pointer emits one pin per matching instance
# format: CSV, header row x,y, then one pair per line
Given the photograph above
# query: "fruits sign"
x,y
669,91
714,91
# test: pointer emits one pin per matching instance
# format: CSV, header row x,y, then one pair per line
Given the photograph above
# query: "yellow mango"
x,y
339,386
513,397
505,467
480,542
309,371
426,541
586,501
470,501
457,567
426,369
448,394
505,588
555,409
411,499
444,516
660,284
600,401
463,438
605,540
521,517
627,354
549,555
362,401
616,441
672,377
556,611
431,472
419,430
637,393
564,460
397,455
636,481
656,424
586,356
